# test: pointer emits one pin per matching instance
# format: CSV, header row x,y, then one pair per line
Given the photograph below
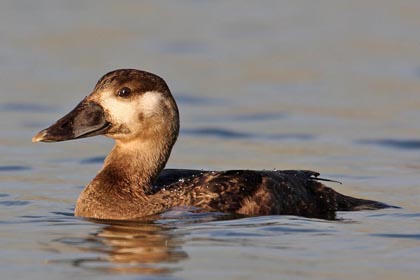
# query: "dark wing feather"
x,y
249,192
171,176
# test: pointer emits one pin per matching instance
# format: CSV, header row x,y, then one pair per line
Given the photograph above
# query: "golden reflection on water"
x,y
128,248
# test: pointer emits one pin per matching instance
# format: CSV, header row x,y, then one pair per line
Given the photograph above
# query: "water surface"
x,y
331,86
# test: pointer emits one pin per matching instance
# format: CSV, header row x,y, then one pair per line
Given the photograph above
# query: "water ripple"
x,y
6,168
398,235
198,100
14,202
230,134
402,144
259,117
289,229
217,132
25,107
93,160
396,215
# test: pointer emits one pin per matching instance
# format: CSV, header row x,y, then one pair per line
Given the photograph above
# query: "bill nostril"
x,y
66,125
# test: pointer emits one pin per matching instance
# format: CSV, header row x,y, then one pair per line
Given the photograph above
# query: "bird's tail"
x,y
348,203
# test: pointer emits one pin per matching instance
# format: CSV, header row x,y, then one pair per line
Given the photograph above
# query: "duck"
x,y
137,110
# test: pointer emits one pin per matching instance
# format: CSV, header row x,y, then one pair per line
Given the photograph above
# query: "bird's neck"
x,y
135,165
122,186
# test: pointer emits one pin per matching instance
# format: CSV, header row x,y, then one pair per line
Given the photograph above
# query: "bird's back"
x,y
250,192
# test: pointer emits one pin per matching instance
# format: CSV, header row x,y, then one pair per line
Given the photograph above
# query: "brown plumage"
x,y
137,109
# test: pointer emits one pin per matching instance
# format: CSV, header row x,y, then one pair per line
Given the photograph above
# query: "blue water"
x,y
325,86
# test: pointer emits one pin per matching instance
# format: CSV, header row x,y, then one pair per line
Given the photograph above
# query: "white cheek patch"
x,y
150,103
126,111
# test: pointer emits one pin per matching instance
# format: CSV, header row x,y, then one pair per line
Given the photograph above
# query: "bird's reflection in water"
x,y
152,246
140,246
122,247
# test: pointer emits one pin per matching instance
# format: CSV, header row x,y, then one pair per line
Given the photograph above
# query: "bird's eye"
x,y
124,92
